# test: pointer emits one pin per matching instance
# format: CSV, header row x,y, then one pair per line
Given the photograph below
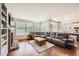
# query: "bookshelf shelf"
x,y
3,12
4,20
3,42
3,28
3,35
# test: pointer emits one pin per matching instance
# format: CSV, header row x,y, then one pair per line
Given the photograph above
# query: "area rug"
x,y
42,48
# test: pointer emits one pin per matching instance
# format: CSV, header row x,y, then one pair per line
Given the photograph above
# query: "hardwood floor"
x,y
25,49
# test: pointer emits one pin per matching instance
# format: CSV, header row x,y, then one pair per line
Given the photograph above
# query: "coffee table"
x,y
40,41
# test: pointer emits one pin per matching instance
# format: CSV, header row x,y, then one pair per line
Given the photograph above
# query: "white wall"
x,y
50,26
45,26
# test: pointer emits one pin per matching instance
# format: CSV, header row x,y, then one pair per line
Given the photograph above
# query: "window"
x,y
25,27
29,27
20,28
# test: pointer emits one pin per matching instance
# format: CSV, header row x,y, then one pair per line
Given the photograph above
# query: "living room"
x,y
39,29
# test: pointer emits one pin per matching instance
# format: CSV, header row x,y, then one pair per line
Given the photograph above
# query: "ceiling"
x,y
43,11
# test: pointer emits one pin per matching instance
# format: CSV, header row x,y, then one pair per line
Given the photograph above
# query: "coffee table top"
x,y
39,39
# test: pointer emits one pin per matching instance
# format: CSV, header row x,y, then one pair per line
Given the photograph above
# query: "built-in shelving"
x,y
7,30
3,30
